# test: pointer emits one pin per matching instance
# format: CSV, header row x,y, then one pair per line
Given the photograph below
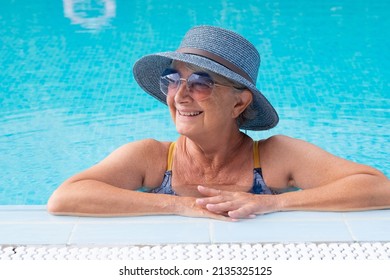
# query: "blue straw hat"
x,y
220,51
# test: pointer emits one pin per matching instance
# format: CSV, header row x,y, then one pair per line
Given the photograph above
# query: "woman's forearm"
x,y
94,198
352,193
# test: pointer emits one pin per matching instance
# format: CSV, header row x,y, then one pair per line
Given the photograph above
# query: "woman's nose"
x,y
182,91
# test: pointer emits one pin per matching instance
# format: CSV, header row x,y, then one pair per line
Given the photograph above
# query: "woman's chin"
x,y
186,131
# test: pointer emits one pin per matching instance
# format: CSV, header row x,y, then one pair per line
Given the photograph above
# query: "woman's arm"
x,y
94,198
328,183
110,187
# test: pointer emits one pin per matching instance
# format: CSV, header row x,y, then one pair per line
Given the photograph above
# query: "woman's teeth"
x,y
189,113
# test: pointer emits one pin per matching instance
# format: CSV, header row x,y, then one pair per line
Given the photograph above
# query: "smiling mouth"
x,y
190,114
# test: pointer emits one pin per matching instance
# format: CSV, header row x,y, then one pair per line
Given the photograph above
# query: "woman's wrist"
x,y
270,203
171,204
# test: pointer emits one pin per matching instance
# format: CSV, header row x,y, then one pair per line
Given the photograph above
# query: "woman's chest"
x,y
185,181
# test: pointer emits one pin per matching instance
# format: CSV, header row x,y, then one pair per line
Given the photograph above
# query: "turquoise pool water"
x,y
68,98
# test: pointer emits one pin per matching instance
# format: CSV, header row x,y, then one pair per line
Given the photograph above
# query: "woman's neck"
x,y
216,152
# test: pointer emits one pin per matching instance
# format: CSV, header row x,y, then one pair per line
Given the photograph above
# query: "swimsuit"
x,y
259,186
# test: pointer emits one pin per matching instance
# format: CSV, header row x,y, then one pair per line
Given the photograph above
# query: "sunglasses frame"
x,y
197,94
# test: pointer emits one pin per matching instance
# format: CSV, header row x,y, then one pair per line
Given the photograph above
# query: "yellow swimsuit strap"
x,y
170,155
256,155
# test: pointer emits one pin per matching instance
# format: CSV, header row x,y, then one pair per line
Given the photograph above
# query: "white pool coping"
x,y
32,225
242,251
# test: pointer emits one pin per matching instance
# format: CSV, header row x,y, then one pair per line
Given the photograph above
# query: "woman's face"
x,y
196,117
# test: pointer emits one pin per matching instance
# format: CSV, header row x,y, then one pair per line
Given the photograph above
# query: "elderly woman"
x,y
214,169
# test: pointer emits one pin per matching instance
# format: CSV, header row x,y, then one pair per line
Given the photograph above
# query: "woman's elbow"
x,y
56,204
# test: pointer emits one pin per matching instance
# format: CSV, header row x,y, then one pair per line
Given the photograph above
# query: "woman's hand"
x,y
237,205
188,206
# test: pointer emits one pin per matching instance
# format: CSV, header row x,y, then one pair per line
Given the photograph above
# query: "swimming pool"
x,y
68,97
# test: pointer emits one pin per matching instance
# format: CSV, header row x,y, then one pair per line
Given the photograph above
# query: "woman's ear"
x,y
244,98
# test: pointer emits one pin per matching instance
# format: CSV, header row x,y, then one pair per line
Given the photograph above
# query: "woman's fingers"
x,y
187,206
222,207
242,213
209,200
237,205
208,191
213,196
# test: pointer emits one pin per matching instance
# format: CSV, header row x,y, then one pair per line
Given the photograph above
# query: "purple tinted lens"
x,y
200,83
169,82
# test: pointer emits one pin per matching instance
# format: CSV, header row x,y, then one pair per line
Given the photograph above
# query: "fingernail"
x,y
199,201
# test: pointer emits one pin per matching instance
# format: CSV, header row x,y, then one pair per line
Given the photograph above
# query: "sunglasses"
x,y
199,85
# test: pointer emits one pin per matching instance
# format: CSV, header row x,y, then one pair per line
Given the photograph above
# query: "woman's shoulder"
x,y
281,146
141,152
147,145
278,140
147,157
277,154
155,144
280,149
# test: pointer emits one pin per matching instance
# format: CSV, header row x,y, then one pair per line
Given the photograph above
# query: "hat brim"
x,y
148,69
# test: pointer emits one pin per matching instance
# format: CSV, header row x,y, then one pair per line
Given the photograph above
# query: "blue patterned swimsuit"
x,y
259,186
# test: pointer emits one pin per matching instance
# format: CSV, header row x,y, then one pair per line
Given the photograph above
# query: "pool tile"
x,y
301,215
370,230
33,216
373,214
48,233
142,219
141,233
33,225
254,231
